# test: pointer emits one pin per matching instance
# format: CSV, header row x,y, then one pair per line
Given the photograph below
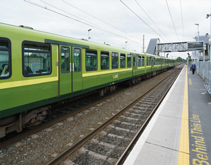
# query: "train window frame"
x,y
36,43
104,53
143,60
122,54
10,57
79,58
139,61
150,61
115,55
91,54
68,69
130,56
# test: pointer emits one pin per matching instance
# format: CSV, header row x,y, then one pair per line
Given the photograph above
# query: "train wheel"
x,y
101,93
133,81
36,120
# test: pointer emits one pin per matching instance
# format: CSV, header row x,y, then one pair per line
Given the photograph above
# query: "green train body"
x,y
44,68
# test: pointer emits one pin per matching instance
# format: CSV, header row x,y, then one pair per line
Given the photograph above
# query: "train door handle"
x,y
70,67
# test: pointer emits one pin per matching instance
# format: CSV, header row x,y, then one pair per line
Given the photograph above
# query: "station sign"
x,y
197,45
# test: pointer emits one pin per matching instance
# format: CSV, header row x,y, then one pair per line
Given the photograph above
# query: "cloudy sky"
x,y
112,21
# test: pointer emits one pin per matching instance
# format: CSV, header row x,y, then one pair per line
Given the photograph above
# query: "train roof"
x,y
36,35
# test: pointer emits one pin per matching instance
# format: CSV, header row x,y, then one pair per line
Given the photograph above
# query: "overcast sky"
x,y
118,22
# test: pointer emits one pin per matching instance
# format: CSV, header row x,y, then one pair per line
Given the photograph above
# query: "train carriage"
x,y
39,68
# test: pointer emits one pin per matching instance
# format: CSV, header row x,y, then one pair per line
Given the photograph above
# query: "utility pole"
x,y
143,43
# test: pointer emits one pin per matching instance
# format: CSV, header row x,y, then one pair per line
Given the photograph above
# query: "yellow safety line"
x,y
184,154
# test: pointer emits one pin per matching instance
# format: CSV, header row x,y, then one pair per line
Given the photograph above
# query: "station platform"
x,y
180,130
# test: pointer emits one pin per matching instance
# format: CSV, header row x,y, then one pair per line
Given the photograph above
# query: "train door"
x,y
153,63
150,63
65,71
135,57
77,71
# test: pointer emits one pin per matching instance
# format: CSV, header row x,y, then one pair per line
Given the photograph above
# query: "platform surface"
x,y
180,130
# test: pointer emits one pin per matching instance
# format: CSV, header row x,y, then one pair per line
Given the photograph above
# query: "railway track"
x,y
20,136
112,140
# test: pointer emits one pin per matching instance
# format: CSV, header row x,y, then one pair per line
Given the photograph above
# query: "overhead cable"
x,y
28,1
172,19
98,18
150,18
182,18
142,20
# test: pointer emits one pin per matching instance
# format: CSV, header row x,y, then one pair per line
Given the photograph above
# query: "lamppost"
x,y
198,40
125,44
209,15
88,34
198,30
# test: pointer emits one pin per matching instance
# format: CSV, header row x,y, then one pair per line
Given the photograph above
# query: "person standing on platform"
x,y
193,67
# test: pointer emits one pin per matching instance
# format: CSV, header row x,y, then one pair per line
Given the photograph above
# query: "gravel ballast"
x,y
43,146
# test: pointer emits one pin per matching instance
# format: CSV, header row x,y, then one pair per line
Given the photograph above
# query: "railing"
x,y
204,70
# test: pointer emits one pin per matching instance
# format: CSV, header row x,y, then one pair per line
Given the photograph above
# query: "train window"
x,y
77,60
139,60
147,61
36,59
91,60
115,59
143,63
65,60
104,60
129,61
5,58
122,60
134,60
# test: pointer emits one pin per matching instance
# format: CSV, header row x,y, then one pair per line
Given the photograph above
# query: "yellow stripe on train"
x,y
26,82
104,72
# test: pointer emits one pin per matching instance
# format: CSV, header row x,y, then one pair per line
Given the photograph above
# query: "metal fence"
x,y
204,70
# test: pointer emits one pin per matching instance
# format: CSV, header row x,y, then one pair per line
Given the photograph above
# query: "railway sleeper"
x,y
98,156
121,129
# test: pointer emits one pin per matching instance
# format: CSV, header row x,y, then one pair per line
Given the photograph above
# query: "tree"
x,y
180,59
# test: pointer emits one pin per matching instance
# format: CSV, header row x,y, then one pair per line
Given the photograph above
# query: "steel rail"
x,y
138,134
82,141
59,119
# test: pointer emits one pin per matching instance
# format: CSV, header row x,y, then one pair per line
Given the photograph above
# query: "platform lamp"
x,y
125,44
88,34
188,58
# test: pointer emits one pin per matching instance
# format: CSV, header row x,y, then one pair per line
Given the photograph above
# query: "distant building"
x,y
206,42
151,49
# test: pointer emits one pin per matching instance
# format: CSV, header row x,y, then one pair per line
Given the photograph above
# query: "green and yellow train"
x,y
39,68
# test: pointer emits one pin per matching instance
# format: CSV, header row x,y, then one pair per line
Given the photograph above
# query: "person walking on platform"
x,y
193,67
